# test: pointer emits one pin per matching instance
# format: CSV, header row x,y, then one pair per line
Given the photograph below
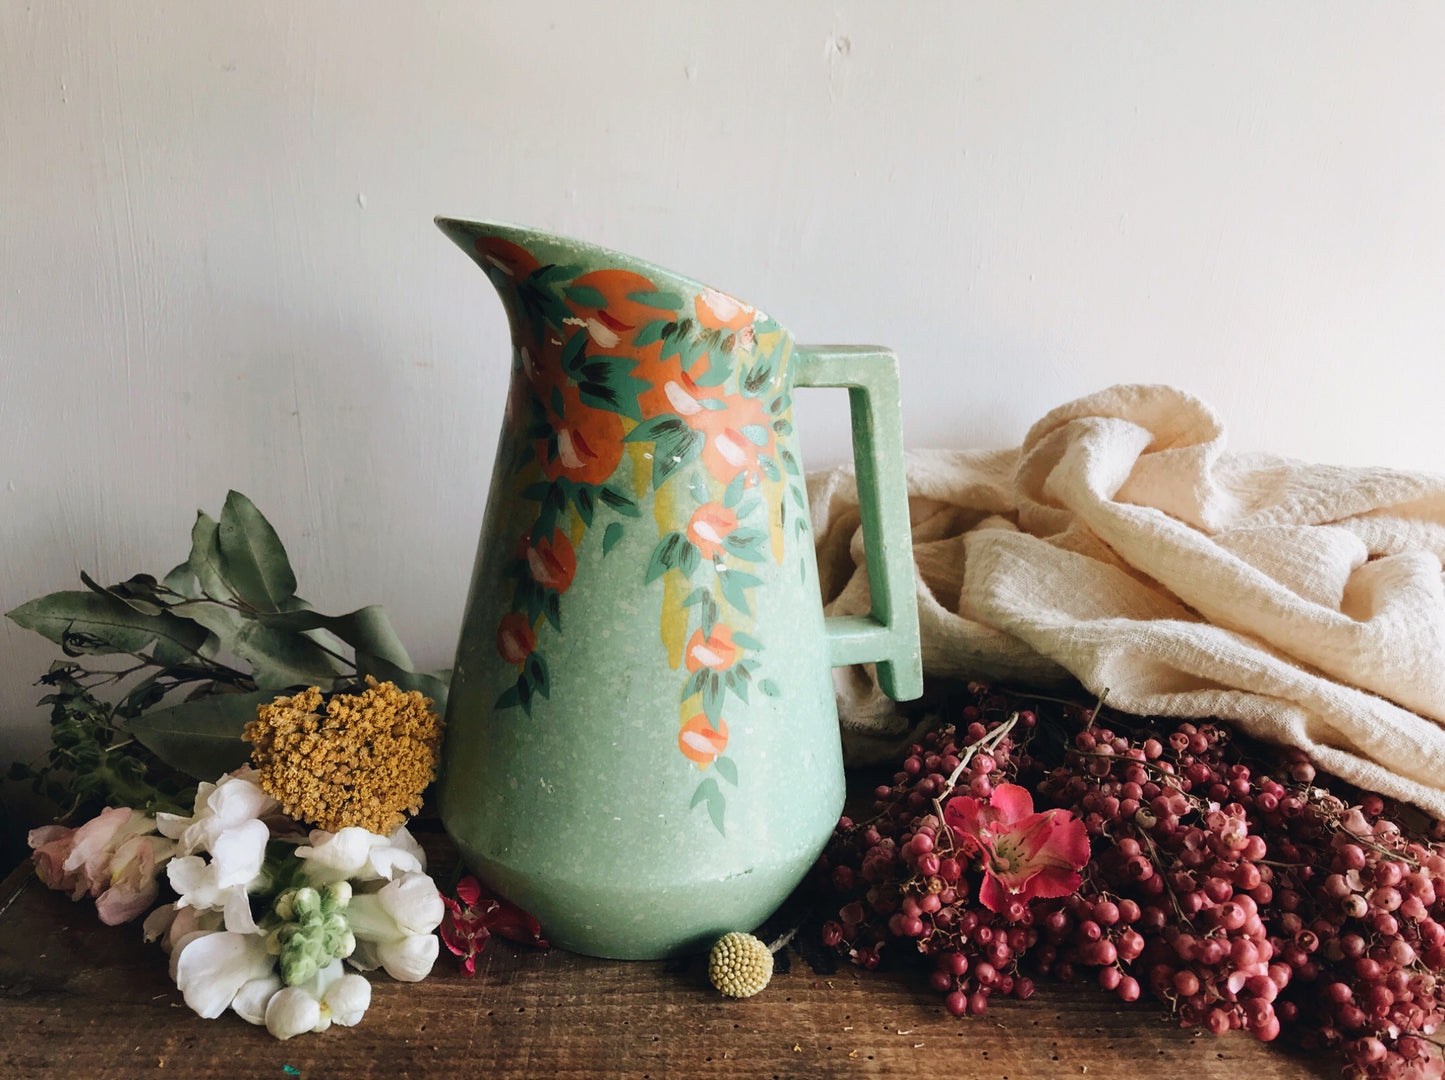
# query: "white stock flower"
x,y
236,858
354,854
230,802
328,997
211,967
394,927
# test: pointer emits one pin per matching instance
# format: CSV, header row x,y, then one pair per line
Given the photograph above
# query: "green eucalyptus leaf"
x,y
99,624
205,560
202,738
279,658
182,579
365,630
134,593
253,557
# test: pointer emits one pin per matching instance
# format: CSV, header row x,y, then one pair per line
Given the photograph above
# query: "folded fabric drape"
x,y
1122,544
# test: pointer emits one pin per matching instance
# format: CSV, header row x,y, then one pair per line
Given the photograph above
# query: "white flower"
x,y
394,927
252,999
355,854
232,801
236,858
211,967
328,997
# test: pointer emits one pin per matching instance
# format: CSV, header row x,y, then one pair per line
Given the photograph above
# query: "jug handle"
x,y
888,636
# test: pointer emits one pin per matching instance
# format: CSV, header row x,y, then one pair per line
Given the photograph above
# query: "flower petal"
x,y
292,1011
238,852
409,959
212,967
414,903
251,1000
1011,803
348,998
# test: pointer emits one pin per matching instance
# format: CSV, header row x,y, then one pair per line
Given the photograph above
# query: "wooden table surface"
x,y
81,1000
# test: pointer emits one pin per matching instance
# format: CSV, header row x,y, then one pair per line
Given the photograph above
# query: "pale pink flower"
x,y
1025,854
115,858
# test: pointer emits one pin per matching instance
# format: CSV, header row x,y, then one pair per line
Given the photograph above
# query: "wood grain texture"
x,y
79,999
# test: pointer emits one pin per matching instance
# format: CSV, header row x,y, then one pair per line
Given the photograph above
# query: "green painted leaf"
x,y
619,502
552,272
585,502
799,497
665,555
573,352
657,427
552,608
708,789
83,622
789,461
689,558
713,404
733,592
709,615
537,675
694,683
783,426
611,536
712,696
649,333
536,492
715,810
666,301
697,596
735,490
769,467
756,434
202,738
746,544
719,370
559,405
253,557
769,687
727,769
698,488
509,699
585,296
746,640
673,452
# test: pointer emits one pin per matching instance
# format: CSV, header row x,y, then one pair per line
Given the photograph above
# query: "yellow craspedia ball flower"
x,y
740,965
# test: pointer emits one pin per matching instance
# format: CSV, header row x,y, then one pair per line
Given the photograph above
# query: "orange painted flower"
x,y
589,441
715,651
736,437
515,638
719,311
700,741
612,323
709,526
552,561
672,390
514,261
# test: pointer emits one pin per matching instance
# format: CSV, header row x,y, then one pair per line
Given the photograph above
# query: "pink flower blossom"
x,y
466,930
1025,854
115,858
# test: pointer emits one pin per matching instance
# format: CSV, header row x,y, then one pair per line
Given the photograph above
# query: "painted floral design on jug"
x,y
630,391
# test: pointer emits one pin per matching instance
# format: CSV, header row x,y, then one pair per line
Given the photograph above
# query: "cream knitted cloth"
x,y
1122,544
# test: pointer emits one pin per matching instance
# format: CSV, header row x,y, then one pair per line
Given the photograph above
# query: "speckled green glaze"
x,y
642,741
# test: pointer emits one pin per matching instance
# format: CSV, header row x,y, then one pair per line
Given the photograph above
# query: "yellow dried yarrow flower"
x,y
350,759
740,965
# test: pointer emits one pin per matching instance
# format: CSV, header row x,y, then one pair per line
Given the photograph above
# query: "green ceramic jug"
x,y
642,742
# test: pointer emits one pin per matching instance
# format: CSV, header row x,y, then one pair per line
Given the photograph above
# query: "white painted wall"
x,y
217,267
